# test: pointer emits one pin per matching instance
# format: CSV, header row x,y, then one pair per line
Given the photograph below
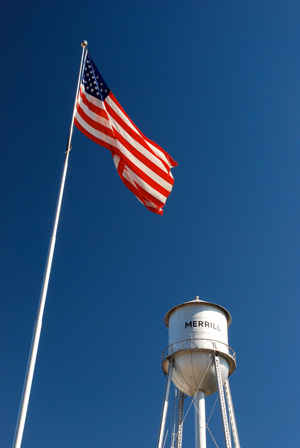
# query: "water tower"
x,y
198,360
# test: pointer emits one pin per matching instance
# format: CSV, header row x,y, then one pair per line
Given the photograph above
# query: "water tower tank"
x,y
197,330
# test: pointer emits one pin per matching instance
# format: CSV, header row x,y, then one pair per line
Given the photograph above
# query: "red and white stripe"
x,y
144,167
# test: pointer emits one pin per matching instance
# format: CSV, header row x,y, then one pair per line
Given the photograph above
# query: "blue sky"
x,y
217,85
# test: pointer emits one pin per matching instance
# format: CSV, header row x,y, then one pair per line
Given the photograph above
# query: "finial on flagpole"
x,y
84,44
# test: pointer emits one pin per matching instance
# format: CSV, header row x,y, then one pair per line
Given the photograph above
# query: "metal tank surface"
x,y
197,331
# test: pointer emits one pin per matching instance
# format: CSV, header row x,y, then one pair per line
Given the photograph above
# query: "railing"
x,y
187,344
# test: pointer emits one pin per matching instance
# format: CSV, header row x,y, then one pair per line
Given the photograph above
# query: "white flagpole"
x,y
38,324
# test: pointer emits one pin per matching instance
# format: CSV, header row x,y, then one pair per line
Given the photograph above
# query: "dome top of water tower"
x,y
194,302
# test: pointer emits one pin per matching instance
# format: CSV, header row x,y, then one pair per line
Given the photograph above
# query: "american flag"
x,y
144,167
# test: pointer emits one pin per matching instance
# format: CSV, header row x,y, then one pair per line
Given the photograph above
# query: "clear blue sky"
x,y
217,85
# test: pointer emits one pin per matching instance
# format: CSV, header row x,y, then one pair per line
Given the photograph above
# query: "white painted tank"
x,y
197,330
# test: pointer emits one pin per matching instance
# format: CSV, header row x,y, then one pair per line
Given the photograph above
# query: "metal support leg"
x,y
179,427
231,415
200,424
222,403
165,406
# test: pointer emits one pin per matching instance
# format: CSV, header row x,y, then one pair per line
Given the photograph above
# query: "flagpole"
x,y
38,324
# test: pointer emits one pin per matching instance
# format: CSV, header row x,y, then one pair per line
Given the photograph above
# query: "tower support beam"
x,y
222,402
179,427
232,419
200,424
165,406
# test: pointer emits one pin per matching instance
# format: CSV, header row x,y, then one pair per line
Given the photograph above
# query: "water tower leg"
x,y
222,402
179,427
165,406
200,423
231,415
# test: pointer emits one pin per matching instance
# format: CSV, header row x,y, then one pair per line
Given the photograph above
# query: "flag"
x,y
144,167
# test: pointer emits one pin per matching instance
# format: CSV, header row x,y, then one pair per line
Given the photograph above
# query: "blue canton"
x,y
93,82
